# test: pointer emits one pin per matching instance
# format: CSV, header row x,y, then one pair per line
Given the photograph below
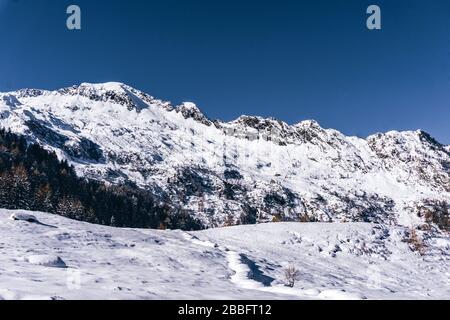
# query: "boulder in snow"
x,y
47,261
21,216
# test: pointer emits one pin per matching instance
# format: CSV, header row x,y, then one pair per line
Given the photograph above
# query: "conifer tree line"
x,y
32,178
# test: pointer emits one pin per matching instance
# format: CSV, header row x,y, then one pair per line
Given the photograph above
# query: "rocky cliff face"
x,y
245,171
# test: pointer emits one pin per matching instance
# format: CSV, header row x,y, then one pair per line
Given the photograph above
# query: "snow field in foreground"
x,y
58,258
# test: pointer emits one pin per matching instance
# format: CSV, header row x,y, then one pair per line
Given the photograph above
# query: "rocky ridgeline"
x,y
245,171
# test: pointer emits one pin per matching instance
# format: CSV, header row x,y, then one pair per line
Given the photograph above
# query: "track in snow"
x,y
244,277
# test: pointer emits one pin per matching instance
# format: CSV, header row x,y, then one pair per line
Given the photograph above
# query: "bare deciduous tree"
x,y
291,275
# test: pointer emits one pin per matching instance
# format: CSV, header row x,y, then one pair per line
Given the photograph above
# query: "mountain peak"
x,y
188,106
190,110
259,123
107,86
311,124
114,92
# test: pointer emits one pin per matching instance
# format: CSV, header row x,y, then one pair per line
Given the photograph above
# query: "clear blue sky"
x,y
292,60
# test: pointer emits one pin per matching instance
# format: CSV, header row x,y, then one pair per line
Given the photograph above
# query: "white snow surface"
x,y
66,259
113,132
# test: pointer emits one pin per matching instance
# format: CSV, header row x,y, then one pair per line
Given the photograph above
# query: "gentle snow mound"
x,y
47,261
334,294
21,216
6,294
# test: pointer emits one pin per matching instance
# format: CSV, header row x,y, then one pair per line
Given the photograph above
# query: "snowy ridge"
x,y
52,257
244,171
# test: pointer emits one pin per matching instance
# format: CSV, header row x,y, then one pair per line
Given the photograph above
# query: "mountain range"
x,y
246,171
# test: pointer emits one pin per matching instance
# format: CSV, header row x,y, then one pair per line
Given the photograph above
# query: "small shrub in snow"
x,y
416,243
291,275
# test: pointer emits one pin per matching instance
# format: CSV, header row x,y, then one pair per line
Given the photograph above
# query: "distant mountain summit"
x,y
248,170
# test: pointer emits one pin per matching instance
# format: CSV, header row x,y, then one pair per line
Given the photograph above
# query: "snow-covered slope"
x,y
58,258
251,169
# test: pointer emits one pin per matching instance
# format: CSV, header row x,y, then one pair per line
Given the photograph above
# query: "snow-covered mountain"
x,y
248,170
51,257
